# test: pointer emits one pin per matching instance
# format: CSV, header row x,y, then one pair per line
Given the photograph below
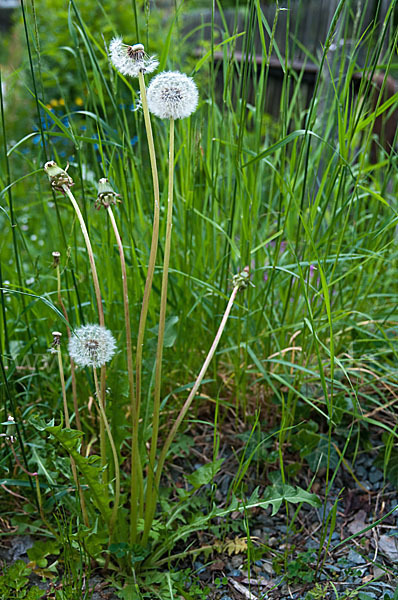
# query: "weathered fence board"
x,y
305,25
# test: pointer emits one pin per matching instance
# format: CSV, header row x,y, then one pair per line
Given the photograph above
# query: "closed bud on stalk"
x,y
56,342
10,430
56,257
56,338
242,279
106,194
58,177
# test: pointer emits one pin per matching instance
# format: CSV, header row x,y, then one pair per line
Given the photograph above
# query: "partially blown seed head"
x,y
131,60
172,95
92,346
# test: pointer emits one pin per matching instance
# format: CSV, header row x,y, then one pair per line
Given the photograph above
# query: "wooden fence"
x,y
308,23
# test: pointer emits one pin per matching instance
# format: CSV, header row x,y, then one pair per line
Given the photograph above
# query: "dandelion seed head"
x,y
92,346
131,60
172,95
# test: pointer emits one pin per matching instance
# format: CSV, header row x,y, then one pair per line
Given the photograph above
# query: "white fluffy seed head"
x,y
92,346
130,60
172,95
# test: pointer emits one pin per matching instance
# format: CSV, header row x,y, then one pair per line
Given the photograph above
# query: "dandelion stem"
x,y
151,491
115,509
136,470
137,503
89,252
101,318
67,423
183,412
72,362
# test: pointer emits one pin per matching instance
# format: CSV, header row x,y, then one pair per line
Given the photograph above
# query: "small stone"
x,y
375,475
236,561
272,542
376,588
235,572
360,472
332,568
355,558
269,530
377,572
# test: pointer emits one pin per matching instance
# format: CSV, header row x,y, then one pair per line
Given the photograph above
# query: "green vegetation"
x,y
288,219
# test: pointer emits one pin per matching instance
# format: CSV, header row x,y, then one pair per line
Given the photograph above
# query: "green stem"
x,y
136,470
115,509
162,457
72,364
100,317
67,423
137,503
150,490
90,254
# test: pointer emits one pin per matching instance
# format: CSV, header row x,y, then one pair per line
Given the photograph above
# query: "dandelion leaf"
x,y
278,493
205,473
89,467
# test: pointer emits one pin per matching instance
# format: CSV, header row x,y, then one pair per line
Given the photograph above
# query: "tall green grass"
x,y
295,198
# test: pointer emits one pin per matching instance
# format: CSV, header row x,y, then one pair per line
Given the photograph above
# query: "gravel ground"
x,y
366,567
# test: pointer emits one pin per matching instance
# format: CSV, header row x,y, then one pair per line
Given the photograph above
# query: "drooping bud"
x,y
242,279
106,194
11,429
58,177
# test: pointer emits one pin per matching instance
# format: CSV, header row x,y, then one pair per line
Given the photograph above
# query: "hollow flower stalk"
x,y
133,61
94,346
171,95
61,181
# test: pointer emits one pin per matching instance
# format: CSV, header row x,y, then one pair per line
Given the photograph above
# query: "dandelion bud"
x,y
56,338
11,429
58,177
131,60
92,346
172,95
106,194
242,279
56,342
56,257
